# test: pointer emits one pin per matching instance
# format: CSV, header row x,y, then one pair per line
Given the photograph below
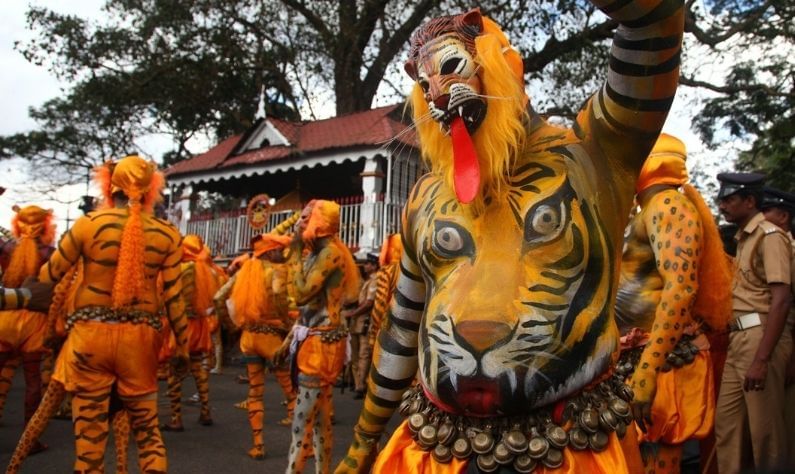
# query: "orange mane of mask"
x,y
194,250
665,164
31,224
269,242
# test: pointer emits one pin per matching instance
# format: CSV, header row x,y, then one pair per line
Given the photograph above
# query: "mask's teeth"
x,y
461,111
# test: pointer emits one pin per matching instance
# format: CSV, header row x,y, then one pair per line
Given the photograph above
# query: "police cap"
x,y
731,183
776,198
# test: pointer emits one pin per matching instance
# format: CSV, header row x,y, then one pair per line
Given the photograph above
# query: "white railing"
x,y
230,235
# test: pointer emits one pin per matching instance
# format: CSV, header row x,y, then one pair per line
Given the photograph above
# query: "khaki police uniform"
x,y
361,352
789,392
764,255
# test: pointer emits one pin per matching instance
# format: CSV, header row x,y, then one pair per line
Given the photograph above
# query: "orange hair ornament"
x,y
140,181
31,225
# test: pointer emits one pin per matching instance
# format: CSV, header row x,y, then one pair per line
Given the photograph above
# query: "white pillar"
x,y
370,218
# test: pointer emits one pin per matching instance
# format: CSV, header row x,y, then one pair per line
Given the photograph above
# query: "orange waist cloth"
x,y
22,331
403,455
96,354
263,345
199,341
684,405
321,359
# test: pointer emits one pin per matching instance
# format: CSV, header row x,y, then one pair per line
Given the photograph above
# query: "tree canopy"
x,y
202,67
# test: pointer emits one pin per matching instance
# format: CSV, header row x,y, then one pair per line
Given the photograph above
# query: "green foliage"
x,y
197,67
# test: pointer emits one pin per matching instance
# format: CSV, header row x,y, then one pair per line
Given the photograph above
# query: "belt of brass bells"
x,y
266,329
684,353
525,441
334,335
110,315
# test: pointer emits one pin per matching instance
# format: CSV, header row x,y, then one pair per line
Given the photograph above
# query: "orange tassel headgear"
x,y
194,250
324,221
665,164
391,250
30,225
140,181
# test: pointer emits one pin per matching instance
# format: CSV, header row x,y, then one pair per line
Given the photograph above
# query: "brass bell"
x,y
626,393
462,448
524,464
415,406
502,454
442,454
578,439
407,394
417,421
621,429
487,463
589,420
666,367
572,409
689,357
607,420
446,433
482,443
557,436
553,459
598,441
619,407
426,437
516,441
405,407
537,447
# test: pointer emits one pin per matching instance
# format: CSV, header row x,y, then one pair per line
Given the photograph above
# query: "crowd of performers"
x,y
558,300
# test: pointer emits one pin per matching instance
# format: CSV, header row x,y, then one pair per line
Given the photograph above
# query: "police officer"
x,y
359,319
751,400
779,208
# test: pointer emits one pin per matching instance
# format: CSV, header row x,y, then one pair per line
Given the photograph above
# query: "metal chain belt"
x,y
684,353
266,329
525,441
105,315
334,335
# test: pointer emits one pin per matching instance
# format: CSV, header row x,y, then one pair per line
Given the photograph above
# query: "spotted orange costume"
x,y
324,280
673,278
258,294
200,281
114,335
23,332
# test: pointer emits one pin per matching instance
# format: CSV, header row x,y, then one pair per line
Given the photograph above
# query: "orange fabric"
x,y
199,341
324,219
22,331
121,353
250,301
664,165
684,405
403,455
260,344
713,301
323,360
512,57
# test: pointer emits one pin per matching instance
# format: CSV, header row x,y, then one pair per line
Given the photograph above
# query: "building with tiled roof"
x,y
367,161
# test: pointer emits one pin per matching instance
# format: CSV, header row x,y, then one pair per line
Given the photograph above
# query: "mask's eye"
x,y
546,220
451,240
450,65
424,84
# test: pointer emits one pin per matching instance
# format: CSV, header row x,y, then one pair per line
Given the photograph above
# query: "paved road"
x,y
216,449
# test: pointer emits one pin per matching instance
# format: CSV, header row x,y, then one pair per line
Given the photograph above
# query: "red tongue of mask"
x,y
466,170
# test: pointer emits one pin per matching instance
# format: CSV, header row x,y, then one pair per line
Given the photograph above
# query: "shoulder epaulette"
x,y
770,228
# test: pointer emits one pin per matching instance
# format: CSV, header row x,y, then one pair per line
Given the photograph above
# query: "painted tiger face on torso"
x,y
499,337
